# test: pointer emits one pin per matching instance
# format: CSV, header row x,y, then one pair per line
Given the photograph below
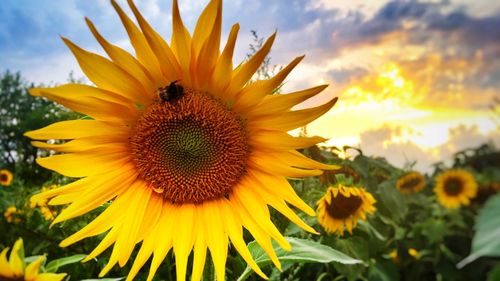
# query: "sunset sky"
x,y
415,79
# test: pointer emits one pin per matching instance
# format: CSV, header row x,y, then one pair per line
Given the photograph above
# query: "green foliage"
x,y
378,249
20,113
303,251
486,241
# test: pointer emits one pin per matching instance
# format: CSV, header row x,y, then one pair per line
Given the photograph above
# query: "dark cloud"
x,y
346,75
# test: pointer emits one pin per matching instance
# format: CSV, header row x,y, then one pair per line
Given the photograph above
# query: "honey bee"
x,y
172,92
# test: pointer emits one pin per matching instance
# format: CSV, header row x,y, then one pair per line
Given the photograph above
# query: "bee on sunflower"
x,y
341,207
455,187
411,182
186,147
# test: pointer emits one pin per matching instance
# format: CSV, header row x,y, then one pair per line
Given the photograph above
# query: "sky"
x,y
416,80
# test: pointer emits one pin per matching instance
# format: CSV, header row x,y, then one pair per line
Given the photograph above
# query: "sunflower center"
x,y
191,148
3,177
410,183
3,278
342,207
453,186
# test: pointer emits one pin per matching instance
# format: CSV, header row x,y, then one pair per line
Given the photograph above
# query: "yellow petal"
x,y
137,195
16,258
207,22
31,271
293,119
279,103
245,71
142,50
200,246
4,264
162,238
217,239
125,61
235,233
207,56
257,209
93,198
87,163
169,64
281,188
184,240
50,277
74,129
220,79
85,144
253,94
270,164
260,236
181,43
278,140
107,75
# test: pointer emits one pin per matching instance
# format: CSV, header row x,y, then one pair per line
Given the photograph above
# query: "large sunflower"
x,y
341,207
15,268
455,187
6,177
411,182
187,148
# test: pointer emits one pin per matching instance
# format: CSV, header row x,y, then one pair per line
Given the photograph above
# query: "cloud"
x,y
392,143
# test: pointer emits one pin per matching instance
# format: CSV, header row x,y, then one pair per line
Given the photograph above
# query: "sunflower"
x,y
343,206
15,268
12,214
189,150
5,177
411,182
455,187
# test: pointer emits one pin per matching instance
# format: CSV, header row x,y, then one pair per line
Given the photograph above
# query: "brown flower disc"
x,y
190,149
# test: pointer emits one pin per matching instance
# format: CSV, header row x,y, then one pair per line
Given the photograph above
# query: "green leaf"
x,y
54,265
302,251
485,241
494,274
31,259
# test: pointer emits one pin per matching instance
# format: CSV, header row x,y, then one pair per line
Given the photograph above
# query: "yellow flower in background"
x,y
15,268
47,214
6,177
414,253
455,187
188,148
394,256
341,207
411,182
12,214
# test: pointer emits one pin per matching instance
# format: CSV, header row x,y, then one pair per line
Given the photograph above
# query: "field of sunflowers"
x,y
185,170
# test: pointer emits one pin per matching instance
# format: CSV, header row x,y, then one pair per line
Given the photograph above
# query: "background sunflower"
x,y
455,187
341,207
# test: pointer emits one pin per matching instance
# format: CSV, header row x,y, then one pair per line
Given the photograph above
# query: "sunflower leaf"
x,y
303,251
54,265
485,241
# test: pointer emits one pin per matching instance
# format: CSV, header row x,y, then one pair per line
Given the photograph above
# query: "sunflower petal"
x,y
278,103
169,64
244,72
31,271
125,60
107,75
74,129
293,119
220,80
253,94
142,50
